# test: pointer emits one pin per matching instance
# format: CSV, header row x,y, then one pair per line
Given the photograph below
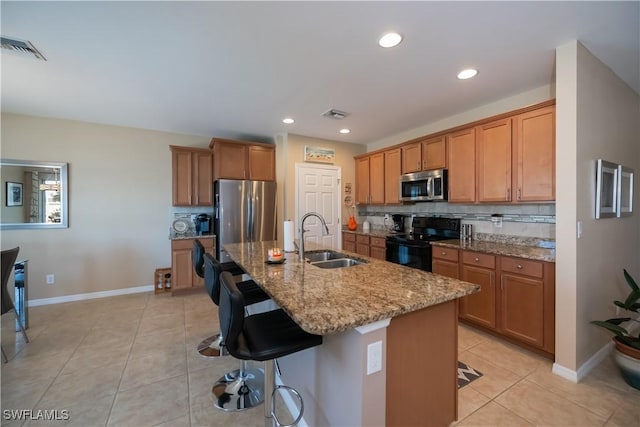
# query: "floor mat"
x,y
466,374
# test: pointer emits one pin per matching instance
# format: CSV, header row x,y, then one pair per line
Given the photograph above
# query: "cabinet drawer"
x,y
445,253
482,260
349,237
363,240
522,266
379,242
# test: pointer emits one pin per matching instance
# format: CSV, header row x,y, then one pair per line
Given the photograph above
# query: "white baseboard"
x,y
90,295
585,368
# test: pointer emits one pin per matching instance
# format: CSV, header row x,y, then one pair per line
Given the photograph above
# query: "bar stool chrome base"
x,y
212,347
239,390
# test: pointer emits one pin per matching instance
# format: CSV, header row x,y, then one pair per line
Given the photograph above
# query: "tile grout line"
x,y
115,395
184,324
35,405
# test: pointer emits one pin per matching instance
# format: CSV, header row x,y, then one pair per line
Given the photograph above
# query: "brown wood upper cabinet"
x,y
392,170
534,156
516,158
370,177
462,165
424,155
243,160
493,161
192,176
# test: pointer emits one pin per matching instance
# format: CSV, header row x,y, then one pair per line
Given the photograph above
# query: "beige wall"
x,y
290,150
597,118
520,100
119,201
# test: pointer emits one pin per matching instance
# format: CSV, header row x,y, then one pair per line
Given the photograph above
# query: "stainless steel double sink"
x,y
331,259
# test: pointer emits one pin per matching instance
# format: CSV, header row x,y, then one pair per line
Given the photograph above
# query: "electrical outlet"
x,y
374,357
51,279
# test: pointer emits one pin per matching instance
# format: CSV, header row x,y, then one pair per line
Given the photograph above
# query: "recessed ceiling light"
x,y
288,120
390,40
467,74
345,130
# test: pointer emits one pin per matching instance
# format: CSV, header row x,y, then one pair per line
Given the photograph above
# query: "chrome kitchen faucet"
x,y
325,232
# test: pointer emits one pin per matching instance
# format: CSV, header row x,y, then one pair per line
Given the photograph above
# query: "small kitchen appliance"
x,y
203,224
414,249
424,186
398,223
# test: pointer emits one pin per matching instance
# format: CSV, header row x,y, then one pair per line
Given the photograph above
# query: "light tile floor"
x,y
131,361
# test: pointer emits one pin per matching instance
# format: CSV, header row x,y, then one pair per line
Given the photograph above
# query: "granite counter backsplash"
x,y
501,248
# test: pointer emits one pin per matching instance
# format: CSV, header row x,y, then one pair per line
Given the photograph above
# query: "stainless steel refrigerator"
x,y
245,211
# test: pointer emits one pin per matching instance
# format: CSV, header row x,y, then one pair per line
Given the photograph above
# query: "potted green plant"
x,y
627,353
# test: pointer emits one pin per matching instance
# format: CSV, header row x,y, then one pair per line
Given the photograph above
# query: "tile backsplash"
x,y
535,220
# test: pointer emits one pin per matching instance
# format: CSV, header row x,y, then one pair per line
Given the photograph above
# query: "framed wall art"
x,y
625,191
14,194
606,189
319,154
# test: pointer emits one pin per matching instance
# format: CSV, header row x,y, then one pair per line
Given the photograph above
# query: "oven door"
x,y
409,254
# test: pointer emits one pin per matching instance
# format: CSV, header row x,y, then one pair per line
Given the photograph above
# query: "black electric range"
x,y
414,249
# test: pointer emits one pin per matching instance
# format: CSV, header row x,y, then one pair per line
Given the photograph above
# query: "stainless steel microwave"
x,y
424,186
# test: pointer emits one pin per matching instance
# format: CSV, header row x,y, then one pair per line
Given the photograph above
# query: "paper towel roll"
x,y
289,234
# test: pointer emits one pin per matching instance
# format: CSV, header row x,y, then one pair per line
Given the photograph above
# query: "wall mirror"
x,y
34,194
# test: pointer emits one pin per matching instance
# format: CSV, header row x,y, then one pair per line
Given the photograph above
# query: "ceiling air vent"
x,y
21,47
335,114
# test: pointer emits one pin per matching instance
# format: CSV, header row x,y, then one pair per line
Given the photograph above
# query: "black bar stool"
x,y
261,337
210,346
8,260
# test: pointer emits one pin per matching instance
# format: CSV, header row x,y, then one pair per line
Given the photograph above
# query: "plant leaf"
x,y
619,331
632,283
632,299
618,320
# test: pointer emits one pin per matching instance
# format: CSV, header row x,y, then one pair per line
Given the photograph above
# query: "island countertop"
x,y
324,301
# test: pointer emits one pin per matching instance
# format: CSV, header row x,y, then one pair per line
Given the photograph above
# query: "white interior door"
x,y
318,190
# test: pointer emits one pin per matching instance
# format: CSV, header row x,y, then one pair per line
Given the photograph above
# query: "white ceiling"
x,y
236,69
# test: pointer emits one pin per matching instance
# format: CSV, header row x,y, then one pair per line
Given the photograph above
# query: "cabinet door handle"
x,y
508,194
418,165
519,267
444,253
519,194
477,260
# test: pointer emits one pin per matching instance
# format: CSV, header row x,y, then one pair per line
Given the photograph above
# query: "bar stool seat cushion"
x,y
273,334
262,336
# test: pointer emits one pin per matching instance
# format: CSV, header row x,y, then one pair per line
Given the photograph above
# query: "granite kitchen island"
x,y
389,354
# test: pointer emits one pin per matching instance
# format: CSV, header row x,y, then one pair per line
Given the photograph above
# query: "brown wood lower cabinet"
x,y
445,262
183,275
517,296
527,302
362,245
349,242
365,244
479,308
378,248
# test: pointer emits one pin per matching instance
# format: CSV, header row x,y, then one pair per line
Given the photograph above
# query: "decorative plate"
x,y
180,225
348,201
